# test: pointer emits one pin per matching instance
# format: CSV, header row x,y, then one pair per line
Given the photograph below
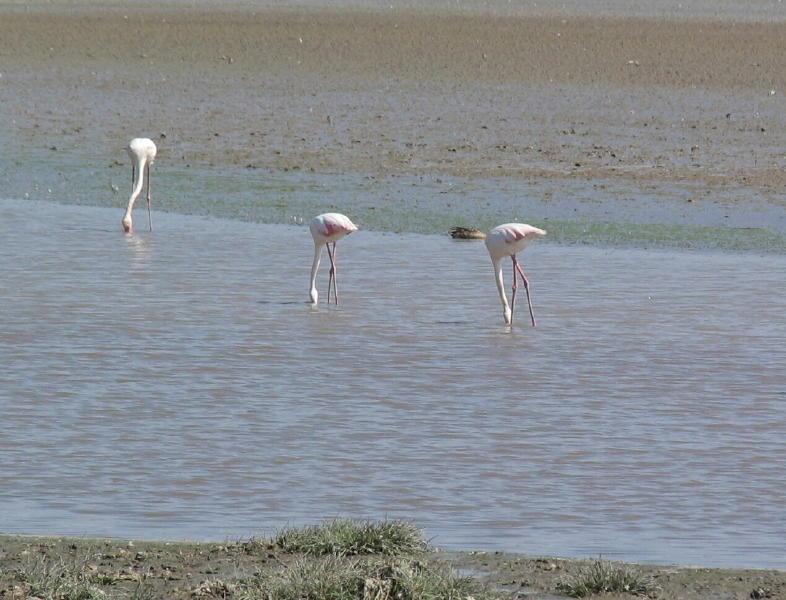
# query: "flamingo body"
x,y
508,240
327,229
142,152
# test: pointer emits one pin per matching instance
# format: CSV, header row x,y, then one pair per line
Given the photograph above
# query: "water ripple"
x,y
176,385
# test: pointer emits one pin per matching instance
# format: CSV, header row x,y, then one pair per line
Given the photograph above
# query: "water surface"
x,y
177,385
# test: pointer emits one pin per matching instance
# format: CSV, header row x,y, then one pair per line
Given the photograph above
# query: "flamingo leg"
x,y
513,289
330,278
133,176
149,213
335,274
526,287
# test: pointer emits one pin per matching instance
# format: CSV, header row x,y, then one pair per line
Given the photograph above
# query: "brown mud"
x,y
188,570
404,92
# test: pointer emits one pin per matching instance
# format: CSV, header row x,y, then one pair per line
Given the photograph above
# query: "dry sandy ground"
x,y
181,570
528,96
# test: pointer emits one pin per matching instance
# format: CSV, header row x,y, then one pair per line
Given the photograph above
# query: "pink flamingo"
x,y
142,152
508,240
327,229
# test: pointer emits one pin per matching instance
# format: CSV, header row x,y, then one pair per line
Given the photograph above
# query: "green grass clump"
x,y
327,579
414,580
603,577
345,537
335,578
59,580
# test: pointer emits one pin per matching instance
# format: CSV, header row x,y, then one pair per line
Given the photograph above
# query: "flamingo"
x,y
142,152
508,240
327,229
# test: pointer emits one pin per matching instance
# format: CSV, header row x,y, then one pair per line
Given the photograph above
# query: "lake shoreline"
x,y
188,569
685,118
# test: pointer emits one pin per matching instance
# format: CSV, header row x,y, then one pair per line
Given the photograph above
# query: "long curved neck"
x,y
140,180
497,263
315,268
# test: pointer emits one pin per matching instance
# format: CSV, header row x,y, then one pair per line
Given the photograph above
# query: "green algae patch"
x,y
630,217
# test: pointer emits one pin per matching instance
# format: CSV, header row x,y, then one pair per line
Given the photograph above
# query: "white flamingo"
x,y
327,229
142,152
507,240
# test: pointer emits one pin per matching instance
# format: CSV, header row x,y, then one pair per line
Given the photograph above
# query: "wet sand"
x,y
531,95
209,570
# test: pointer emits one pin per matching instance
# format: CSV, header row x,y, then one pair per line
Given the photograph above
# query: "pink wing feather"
x,y
330,224
518,231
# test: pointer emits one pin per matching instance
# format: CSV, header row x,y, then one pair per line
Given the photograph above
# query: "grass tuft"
x,y
59,580
345,537
334,578
603,577
215,588
325,579
415,580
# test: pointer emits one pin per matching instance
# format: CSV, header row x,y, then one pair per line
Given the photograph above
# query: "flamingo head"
x,y
507,314
314,294
127,225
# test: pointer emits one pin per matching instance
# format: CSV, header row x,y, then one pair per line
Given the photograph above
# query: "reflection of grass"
x,y
603,577
346,537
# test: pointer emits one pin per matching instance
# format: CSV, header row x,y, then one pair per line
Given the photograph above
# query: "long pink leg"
x,y
332,271
335,274
526,287
149,214
513,291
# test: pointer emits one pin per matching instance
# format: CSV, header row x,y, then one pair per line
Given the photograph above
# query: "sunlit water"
x,y
177,385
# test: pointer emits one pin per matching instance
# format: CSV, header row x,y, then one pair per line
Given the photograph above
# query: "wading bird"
x,y
142,152
467,233
507,240
327,229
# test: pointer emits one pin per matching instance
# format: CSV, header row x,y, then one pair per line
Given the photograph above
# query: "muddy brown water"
x,y
177,385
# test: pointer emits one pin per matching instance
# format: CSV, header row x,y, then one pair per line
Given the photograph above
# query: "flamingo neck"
x,y
139,182
506,312
314,268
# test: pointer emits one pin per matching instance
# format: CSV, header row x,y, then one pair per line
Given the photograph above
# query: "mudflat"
x,y
131,569
525,94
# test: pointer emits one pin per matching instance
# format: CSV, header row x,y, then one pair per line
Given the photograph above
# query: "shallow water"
x,y
597,212
176,385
